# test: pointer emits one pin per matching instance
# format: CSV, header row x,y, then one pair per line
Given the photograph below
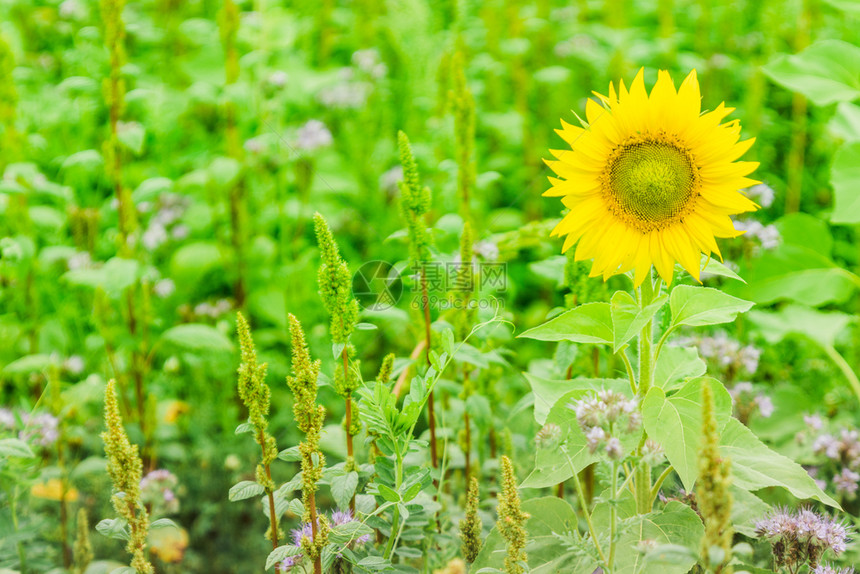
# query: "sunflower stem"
x,y
646,368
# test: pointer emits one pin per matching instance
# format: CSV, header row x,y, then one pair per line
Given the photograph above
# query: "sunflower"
x,y
650,179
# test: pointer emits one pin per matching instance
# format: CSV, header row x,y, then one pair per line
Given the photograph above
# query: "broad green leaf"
x,y
551,268
797,273
747,508
677,524
13,447
628,319
698,306
806,231
113,277
826,72
589,323
291,454
547,392
845,178
755,466
116,528
714,267
820,326
194,261
676,423
675,364
28,364
343,487
151,189
551,464
845,124
224,172
850,7
245,489
132,135
550,519
197,337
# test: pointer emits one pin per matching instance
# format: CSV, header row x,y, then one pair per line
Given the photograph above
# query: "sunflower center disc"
x,y
652,182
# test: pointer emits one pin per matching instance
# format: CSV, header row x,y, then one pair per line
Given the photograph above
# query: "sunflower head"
x,y
650,179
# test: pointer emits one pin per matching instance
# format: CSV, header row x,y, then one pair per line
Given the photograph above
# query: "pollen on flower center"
x,y
650,182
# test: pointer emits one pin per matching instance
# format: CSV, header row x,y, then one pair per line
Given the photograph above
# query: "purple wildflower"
x,y
846,482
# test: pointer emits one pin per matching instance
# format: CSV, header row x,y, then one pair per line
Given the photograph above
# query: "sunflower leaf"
x,y
826,72
628,319
589,323
698,306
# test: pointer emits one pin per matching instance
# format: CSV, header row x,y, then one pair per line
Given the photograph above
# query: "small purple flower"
x,y
338,518
813,422
42,429
594,438
846,482
613,448
158,489
765,405
7,419
313,135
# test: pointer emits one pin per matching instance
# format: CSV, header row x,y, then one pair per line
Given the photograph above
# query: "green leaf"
x,y
244,428
343,487
114,277
826,72
550,518
820,326
850,7
698,306
291,454
224,172
676,524
628,319
151,189
747,508
197,337
162,523
675,365
280,553
195,261
116,528
553,462
844,177
412,491
348,532
845,124
714,267
13,447
676,423
28,364
245,489
547,392
132,135
589,323
797,273
388,493
755,466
